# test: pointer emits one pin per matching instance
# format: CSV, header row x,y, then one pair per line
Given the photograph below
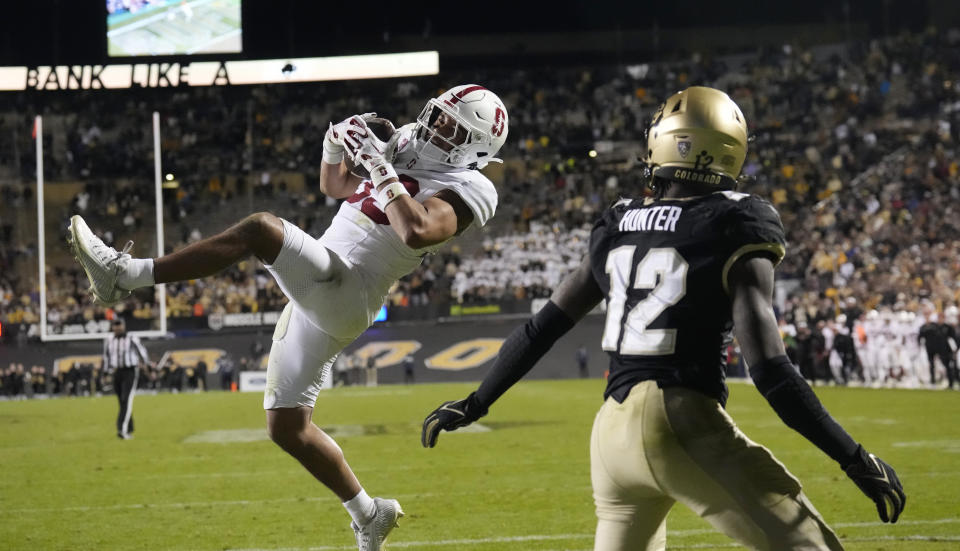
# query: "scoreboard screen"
x,y
173,27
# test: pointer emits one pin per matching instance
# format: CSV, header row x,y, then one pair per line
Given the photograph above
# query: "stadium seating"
x,y
856,147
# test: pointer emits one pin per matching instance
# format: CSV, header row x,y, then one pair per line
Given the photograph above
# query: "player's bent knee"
x,y
262,220
263,223
264,234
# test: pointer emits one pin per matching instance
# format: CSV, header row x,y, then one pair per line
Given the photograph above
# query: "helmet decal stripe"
x,y
455,98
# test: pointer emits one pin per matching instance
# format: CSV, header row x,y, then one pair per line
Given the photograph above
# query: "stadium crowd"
x,y
856,145
87,378
78,379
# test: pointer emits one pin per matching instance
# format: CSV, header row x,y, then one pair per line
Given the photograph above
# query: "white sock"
x,y
137,273
361,507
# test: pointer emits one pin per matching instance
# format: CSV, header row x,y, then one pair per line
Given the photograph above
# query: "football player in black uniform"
x,y
679,272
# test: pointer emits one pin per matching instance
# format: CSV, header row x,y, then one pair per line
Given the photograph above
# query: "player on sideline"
x,y
678,272
423,190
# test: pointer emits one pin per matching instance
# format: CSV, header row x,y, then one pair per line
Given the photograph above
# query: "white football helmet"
x,y
481,122
951,314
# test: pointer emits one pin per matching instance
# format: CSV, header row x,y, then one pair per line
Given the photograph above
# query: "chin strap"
x,y
485,161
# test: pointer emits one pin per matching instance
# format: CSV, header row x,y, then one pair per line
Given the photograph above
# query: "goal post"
x,y
160,291
161,288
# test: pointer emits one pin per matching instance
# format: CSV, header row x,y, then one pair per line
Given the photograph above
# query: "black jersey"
x,y
663,266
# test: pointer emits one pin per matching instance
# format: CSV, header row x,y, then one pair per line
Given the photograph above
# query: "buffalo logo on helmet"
x,y
683,147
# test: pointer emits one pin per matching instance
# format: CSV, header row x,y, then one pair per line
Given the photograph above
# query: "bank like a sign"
x,y
217,73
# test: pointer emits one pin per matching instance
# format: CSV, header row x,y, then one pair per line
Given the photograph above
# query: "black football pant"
x,y
125,385
949,362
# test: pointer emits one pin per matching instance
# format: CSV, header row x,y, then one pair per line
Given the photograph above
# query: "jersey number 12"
x,y
664,272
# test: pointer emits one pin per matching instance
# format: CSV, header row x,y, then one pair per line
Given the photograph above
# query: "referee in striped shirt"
x,y
122,356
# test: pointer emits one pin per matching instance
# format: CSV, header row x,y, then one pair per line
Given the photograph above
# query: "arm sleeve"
x,y
800,409
521,351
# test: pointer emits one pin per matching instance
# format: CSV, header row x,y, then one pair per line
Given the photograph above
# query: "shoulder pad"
x,y
760,207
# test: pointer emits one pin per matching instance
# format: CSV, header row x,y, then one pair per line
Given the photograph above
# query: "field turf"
x,y
200,474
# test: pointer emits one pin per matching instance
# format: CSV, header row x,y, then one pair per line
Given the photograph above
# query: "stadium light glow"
x,y
169,177
592,153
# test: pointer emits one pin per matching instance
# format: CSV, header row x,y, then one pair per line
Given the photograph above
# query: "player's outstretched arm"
x,y
576,295
751,292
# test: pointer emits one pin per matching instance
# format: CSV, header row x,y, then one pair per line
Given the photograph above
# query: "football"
x,y
383,129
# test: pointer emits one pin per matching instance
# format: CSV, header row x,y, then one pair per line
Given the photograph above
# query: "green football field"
x,y
200,474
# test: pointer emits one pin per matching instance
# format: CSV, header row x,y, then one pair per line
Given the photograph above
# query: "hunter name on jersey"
x,y
660,218
663,266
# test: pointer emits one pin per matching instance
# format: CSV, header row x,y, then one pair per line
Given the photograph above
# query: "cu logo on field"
x,y
499,122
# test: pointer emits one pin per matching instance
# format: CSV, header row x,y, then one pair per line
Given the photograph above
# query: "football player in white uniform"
x,y
913,360
873,374
423,188
890,368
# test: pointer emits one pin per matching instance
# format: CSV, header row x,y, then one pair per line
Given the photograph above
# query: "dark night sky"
x,y
72,31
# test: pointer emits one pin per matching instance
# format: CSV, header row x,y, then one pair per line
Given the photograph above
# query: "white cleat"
x,y
373,535
101,263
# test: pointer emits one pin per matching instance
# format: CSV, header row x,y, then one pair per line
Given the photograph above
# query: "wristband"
x,y
390,193
381,173
332,152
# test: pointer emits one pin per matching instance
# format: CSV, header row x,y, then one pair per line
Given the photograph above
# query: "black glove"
x,y
450,416
879,482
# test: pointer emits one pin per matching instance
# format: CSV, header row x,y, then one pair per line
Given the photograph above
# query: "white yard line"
x,y
230,502
520,539
438,543
899,523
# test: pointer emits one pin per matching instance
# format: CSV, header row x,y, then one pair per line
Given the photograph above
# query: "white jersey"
x,y
361,234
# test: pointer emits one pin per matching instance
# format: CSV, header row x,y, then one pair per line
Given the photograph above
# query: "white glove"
x,y
370,156
357,136
334,139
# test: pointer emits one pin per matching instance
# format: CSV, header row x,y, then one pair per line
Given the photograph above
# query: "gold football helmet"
x,y
698,135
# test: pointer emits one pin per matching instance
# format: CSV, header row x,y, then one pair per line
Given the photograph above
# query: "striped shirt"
x,y
123,351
